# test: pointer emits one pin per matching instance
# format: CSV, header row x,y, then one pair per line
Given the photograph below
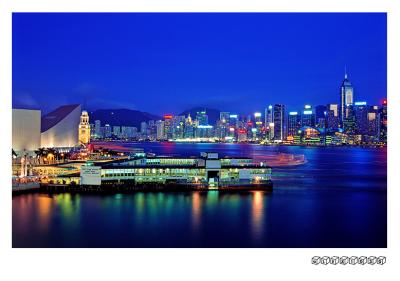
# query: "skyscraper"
x,y
202,117
222,125
189,128
224,117
168,130
294,123
143,129
268,115
97,129
346,97
361,115
178,125
383,122
332,117
373,122
107,131
279,120
160,130
349,122
117,131
308,117
320,116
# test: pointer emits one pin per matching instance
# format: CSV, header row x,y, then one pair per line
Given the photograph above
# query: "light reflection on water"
x,y
329,202
257,214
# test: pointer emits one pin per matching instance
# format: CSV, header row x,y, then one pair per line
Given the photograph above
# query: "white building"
x,y
25,130
60,127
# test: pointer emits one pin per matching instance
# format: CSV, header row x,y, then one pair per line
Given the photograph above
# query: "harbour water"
x,y
337,198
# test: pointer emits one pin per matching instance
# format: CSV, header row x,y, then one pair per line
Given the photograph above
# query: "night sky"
x,y
166,63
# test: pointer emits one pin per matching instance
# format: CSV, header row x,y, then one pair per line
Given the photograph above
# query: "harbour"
x,y
141,171
337,198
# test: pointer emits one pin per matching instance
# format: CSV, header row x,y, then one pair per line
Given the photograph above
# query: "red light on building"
x,y
167,116
250,123
384,102
242,131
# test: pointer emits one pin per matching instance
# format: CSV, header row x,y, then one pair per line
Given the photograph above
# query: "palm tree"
x,y
39,154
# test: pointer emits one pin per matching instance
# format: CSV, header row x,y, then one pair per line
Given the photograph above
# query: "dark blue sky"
x,y
170,62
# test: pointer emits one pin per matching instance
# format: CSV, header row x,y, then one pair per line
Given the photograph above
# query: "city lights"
x,y
360,103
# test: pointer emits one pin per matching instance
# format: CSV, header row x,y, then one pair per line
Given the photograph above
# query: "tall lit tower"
x,y
346,97
279,122
84,128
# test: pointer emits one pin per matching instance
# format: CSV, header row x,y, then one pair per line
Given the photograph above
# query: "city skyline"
x,y
238,71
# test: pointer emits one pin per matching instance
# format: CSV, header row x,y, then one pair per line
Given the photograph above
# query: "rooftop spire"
x,y
345,72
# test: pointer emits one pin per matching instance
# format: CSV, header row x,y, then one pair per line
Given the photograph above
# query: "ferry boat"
x,y
142,171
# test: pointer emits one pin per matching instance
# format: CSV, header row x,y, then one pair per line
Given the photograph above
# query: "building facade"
x,y
279,121
25,130
84,128
60,127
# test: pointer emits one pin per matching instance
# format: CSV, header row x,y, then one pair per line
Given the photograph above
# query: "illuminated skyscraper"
x,y
294,123
202,117
346,97
279,120
269,125
268,115
160,130
258,119
349,122
332,117
143,129
361,116
224,117
97,129
117,131
107,131
189,128
178,125
233,120
308,117
373,122
222,128
92,131
168,130
320,116
383,122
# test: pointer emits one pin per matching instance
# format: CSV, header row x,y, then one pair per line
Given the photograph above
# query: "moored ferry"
x,y
142,171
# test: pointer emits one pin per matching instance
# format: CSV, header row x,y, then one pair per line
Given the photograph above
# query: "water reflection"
x,y
337,199
196,211
257,214
44,212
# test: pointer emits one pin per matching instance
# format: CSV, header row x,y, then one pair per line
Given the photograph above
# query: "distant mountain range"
x,y
121,117
129,117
